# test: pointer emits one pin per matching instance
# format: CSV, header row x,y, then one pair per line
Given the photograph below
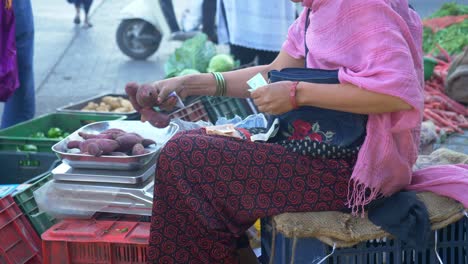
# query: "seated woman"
x,y
210,189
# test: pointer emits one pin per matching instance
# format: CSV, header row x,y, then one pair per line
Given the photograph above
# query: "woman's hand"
x,y
145,97
155,94
273,98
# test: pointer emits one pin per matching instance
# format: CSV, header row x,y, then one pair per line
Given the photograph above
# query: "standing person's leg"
x,y
208,19
169,15
210,189
87,6
21,105
77,19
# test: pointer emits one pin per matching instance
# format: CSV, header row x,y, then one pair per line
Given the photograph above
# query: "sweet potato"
x,y
113,132
147,142
73,144
105,146
147,95
127,141
138,149
156,119
89,136
131,90
94,149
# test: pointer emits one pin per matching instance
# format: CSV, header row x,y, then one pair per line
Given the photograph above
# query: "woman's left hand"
x,y
273,98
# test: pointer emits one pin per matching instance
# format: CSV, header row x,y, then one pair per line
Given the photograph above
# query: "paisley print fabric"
x,y
210,189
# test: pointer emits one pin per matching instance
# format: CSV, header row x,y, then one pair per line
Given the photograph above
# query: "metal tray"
x,y
66,173
76,107
83,161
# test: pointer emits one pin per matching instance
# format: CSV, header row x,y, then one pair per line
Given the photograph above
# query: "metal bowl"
x,y
83,161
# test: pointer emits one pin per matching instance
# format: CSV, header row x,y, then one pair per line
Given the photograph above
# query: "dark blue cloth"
x,y
329,126
404,216
21,105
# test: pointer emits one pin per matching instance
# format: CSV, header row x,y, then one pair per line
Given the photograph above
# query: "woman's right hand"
x,y
145,97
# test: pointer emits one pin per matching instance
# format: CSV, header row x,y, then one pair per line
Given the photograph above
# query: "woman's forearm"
x,y
348,98
236,81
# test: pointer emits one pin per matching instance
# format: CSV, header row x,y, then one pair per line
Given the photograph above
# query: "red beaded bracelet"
x,y
292,95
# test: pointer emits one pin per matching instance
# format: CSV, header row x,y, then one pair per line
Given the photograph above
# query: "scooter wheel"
x,y
138,39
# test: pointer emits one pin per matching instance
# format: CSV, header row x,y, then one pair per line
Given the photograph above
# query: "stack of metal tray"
x,y
66,173
64,199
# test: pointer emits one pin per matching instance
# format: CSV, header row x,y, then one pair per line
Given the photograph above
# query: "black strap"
x,y
305,37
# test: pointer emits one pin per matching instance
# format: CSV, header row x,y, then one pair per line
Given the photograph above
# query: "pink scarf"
x,y
377,46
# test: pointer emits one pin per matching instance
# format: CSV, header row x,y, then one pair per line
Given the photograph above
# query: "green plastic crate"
x,y
25,200
226,107
15,136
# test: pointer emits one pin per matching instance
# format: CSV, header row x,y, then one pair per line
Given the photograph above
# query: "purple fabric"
x,y
9,80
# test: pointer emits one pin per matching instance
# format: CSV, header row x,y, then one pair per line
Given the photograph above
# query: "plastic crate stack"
x,y
19,242
227,107
23,172
96,241
193,112
452,247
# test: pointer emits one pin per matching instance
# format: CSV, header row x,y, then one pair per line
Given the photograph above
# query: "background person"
x,y
21,105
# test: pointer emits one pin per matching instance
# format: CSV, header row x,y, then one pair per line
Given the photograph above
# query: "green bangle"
x,y
221,88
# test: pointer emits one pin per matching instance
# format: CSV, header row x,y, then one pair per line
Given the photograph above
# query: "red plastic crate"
x,y
19,243
194,112
96,242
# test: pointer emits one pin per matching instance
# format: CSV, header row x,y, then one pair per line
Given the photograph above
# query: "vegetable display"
x,y
452,38
198,55
448,115
111,142
52,133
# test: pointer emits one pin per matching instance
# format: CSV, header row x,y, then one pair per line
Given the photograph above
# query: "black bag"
x,y
324,125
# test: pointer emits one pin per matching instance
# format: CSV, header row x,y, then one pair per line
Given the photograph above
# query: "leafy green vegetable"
x,y
453,38
195,53
451,9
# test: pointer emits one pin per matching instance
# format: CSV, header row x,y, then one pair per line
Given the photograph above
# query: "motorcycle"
x,y
144,26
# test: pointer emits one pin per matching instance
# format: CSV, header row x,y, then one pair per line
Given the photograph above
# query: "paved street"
x,y
72,63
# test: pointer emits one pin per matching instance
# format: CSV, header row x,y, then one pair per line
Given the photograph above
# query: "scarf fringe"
x,y
360,195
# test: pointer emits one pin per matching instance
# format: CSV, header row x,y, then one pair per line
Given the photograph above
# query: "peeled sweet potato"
x,y
147,96
156,119
127,141
138,149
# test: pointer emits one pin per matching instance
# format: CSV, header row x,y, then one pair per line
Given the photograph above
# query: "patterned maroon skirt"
x,y
210,189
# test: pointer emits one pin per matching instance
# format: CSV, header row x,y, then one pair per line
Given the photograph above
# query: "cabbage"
x,y
221,63
188,72
195,53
